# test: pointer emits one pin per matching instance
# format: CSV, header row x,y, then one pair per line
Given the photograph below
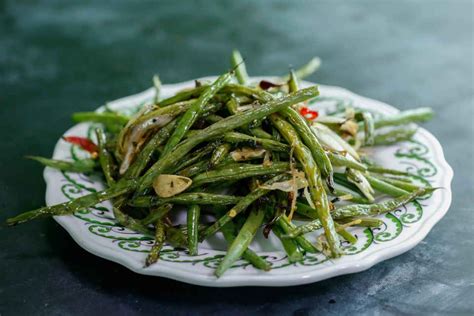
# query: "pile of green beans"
x,y
249,157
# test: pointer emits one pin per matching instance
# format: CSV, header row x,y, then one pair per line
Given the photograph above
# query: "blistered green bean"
x,y
105,158
242,241
405,117
192,219
200,198
385,187
83,166
160,238
237,171
157,213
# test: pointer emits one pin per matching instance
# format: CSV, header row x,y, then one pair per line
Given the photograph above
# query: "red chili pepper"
x,y
265,85
84,143
309,114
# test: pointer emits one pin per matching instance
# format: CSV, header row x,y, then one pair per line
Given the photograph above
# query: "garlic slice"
x,y
350,127
168,185
247,153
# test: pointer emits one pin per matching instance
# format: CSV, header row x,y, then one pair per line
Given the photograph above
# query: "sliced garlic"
x,y
168,185
350,127
247,153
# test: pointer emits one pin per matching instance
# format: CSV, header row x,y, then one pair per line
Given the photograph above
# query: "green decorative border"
x,y
100,220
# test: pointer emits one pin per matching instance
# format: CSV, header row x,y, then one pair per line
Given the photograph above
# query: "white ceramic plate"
x,y
95,229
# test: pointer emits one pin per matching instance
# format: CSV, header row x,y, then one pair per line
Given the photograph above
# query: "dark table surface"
x,y
57,57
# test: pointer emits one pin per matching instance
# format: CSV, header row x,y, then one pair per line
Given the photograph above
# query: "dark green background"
x,y
57,57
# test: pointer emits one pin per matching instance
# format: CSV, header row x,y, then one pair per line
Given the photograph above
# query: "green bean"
x,y
378,208
176,237
348,188
195,169
286,226
342,161
151,116
237,171
309,139
219,154
341,179
192,133
354,196
382,170
293,84
291,247
157,213
258,262
214,118
220,128
306,210
200,198
385,187
197,155
160,238
246,91
361,182
369,128
157,86
277,137
316,189
82,166
307,69
394,136
344,234
105,159
269,144
184,95
240,70
75,205
356,210
193,228
232,106
364,221
304,229
192,114
407,186
242,241
259,132
405,117
111,120
131,223
398,179
239,207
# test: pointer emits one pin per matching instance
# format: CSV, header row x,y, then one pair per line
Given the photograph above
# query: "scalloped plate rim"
x,y
264,279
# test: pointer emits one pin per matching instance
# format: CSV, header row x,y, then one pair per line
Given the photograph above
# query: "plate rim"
x,y
263,279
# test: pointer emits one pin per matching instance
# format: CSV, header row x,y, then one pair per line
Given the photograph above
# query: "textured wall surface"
x,y
57,57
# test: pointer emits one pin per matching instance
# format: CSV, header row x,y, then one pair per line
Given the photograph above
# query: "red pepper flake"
x,y
265,85
308,114
85,143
